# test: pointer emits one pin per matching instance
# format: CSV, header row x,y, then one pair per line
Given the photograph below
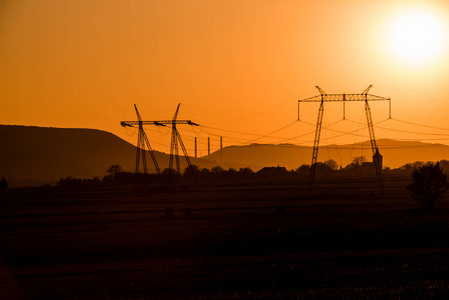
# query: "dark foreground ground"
x,y
228,242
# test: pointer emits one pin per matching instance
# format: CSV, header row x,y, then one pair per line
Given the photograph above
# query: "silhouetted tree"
x,y
231,174
192,172
217,169
168,171
96,180
114,169
444,164
3,183
303,170
358,161
322,168
205,173
246,172
77,182
217,173
69,182
429,183
418,164
170,177
332,164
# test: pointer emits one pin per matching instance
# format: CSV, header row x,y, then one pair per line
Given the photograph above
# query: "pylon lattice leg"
x,y
156,165
178,165
184,149
316,143
138,154
375,150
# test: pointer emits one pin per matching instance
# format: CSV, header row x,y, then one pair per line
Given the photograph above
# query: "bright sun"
x,y
418,37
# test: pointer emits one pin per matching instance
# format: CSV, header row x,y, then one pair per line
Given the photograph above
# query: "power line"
x,y
416,124
266,135
412,132
243,141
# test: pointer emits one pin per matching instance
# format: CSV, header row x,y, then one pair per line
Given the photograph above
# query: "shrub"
x,y
429,183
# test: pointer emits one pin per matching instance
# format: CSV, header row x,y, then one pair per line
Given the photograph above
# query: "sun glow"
x,y
418,37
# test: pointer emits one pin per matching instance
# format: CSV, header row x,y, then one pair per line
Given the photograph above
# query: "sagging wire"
x,y
335,143
267,135
416,124
353,144
133,130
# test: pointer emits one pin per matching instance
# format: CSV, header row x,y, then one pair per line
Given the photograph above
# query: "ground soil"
x,y
230,241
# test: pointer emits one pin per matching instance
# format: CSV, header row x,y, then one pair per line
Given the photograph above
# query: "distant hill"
x,y
395,153
33,155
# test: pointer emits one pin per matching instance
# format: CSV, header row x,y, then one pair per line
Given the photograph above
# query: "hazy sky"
x,y
237,66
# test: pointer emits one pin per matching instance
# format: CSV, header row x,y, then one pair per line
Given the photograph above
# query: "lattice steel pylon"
x,y
377,158
364,96
175,138
142,140
316,143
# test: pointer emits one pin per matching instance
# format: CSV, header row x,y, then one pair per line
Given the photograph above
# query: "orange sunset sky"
x,y
237,66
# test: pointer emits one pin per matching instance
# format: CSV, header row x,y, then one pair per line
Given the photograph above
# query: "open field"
x,y
224,242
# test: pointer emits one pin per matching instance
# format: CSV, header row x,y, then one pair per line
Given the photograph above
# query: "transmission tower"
x,y
142,140
175,138
364,96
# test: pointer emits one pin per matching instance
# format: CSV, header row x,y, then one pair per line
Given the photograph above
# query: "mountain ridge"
x,y
35,154
396,153
45,154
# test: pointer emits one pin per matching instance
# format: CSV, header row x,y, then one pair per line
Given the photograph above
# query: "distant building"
x,y
368,167
378,157
272,172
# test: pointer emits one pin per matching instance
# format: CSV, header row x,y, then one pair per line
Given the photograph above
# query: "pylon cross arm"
x,y
157,123
344,97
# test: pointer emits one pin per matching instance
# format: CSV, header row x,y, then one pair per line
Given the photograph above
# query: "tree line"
x,y
196,175
428,179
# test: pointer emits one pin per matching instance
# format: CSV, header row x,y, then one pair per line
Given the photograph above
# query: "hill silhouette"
x,y
395,153
33,155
